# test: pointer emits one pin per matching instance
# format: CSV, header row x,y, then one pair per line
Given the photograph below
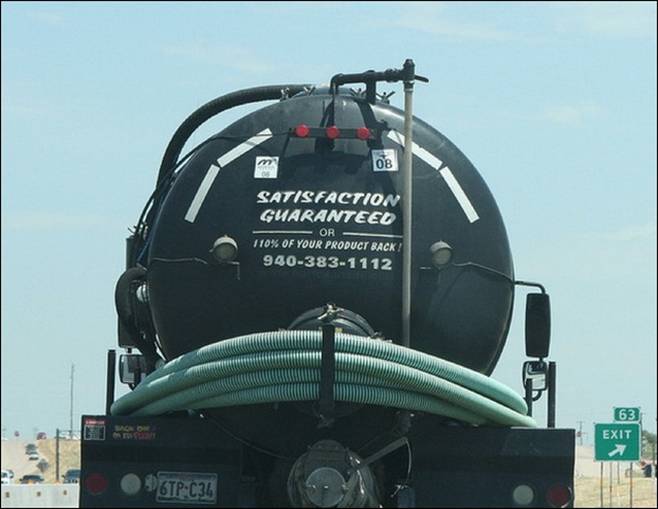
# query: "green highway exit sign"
x,y
616,441
628,414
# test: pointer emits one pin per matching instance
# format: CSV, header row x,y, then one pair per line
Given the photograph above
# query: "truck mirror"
x,y
535,372
132,368
537,325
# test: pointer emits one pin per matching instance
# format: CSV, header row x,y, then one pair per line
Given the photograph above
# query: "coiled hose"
x,y
285,366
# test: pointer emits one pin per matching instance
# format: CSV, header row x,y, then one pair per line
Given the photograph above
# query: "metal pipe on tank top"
x,y
407,211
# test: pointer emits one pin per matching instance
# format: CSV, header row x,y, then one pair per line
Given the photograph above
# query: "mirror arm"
x,y
552,387
528,396
530,283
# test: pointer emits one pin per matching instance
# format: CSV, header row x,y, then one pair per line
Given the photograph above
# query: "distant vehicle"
x,y
41,435
43,465
6,477
32,479
646,469
72,476
33,457
30,448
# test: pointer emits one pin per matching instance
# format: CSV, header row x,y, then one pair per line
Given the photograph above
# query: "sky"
x,y
554,103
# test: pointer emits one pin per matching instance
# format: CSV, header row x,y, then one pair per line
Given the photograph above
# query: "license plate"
x,y
190,487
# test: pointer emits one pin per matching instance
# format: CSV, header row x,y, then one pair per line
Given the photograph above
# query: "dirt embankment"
x,y
69,457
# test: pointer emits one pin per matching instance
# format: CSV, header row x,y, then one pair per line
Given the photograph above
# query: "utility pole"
x,y
71,404
57,456
580,432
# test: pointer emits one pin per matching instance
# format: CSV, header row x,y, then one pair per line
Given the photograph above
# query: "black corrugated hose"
x,y
191,124
214,107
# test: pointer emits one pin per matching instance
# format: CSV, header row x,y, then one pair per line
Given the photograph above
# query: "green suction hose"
x,y
285,366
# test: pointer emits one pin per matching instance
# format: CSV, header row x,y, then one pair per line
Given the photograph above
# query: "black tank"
x,y
319,220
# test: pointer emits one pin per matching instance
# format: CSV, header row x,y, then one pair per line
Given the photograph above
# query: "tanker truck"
x,y
313,303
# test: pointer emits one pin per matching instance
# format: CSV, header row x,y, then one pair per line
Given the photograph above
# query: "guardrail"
x,y
40,495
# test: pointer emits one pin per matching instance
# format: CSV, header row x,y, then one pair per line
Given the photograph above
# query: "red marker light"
x,y
332,132
363,133
558,495
96,483
302,131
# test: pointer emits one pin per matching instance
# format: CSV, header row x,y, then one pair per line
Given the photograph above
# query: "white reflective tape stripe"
x,y
222,162
244,147
201,193
419,151
447,175
459,193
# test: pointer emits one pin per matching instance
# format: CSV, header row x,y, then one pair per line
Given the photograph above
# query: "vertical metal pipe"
x,y
551,393
111,377
407,197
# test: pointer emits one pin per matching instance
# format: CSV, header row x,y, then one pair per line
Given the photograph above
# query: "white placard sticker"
x,y
385,160
266,167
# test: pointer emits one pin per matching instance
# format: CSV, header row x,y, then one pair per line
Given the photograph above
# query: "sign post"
x,y
601,485
630,492
610,487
